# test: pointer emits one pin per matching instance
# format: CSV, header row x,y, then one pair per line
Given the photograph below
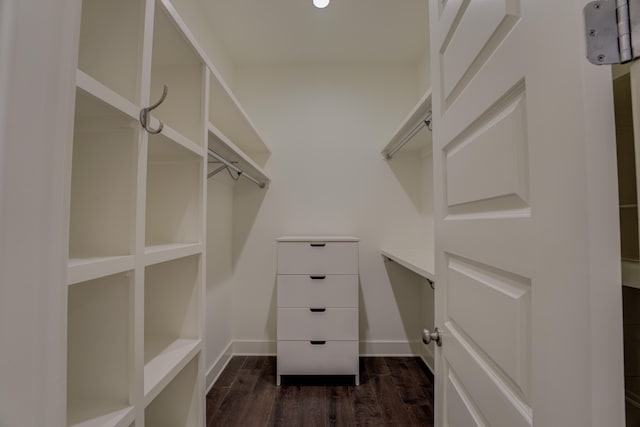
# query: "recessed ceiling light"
x,y
321,4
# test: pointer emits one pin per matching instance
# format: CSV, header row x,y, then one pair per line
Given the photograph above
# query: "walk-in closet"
x,y
318,212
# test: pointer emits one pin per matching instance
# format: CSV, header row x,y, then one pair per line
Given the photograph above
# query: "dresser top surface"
x,y
317,239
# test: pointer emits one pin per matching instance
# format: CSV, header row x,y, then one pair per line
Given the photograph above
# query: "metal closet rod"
x,y
426,122
235,168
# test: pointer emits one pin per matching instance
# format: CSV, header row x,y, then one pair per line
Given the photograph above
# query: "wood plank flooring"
x,y
393,391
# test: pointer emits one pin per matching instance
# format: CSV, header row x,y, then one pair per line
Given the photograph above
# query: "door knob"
x,y
434,336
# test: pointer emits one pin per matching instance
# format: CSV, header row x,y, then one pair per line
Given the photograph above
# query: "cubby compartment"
x,y
99,353
110,44
103,180
174,194
180,404
176,65
172,316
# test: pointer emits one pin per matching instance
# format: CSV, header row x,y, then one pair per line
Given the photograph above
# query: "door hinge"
x,y
612,29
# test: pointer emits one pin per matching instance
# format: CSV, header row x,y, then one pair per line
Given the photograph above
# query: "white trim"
x,y
213,373
254,348
386,348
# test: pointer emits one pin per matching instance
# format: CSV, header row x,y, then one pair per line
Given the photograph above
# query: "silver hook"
x,y
144,114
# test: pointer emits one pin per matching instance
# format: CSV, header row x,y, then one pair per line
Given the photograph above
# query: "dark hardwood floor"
x,y
393,391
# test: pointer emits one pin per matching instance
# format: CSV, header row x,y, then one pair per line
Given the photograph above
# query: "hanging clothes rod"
x,y
424,123
233,167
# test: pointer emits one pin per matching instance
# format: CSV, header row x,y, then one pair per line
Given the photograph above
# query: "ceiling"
x,y
294,31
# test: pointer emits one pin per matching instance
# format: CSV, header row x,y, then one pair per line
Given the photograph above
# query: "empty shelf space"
x,y
83,269
98,349
110,44
161,253
103,180
226,114
422,140
219,143
114,417
420,262
101,92
181,402
176,65
174,193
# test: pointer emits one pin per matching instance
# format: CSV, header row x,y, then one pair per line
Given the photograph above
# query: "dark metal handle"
x,y
318,277
318,342
318,245
144,114
318,310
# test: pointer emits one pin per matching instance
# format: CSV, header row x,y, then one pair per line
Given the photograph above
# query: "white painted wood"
x,y
303,258
98,347
83,269
96,89
527,247
419,261
334,290
161,253
180,402
317,239
331,358
337,324
111,53
167,363
631,270
117,418
414,118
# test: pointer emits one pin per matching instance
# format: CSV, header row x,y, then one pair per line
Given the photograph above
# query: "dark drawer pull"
x,y
318,245
318,277
318,310
318,342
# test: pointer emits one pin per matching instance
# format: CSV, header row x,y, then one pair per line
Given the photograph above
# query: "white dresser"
x,y
318,306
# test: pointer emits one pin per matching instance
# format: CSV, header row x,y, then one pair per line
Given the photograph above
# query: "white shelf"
x,y
112,418
161,369
226,114
219,143
420,262
161,253
83,269
175,136
106,95
413,119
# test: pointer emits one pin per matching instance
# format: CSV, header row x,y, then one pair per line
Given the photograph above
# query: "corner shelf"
x,y
219,143
413,119
420,262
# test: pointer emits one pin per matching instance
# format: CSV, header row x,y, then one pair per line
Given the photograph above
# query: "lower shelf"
x,y
82,414
169,360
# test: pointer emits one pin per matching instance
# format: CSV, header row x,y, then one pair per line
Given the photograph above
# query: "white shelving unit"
x,y
137,221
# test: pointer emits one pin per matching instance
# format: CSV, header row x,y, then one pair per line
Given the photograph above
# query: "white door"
x,y
528,261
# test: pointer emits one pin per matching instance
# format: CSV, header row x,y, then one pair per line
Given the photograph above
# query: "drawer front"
x,y
306,291
330,358
318,258
319,324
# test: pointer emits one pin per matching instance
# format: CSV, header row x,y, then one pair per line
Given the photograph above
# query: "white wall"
x,y
325,126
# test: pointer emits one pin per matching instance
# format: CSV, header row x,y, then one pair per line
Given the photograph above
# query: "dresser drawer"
x,y
319,324
317,258
329,358
339,290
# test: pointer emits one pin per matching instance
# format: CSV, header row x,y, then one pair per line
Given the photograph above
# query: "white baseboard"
x,y
386,348
254,348
218,366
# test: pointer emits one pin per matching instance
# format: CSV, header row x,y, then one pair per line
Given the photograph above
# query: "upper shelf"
x,y
219,143
413,119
